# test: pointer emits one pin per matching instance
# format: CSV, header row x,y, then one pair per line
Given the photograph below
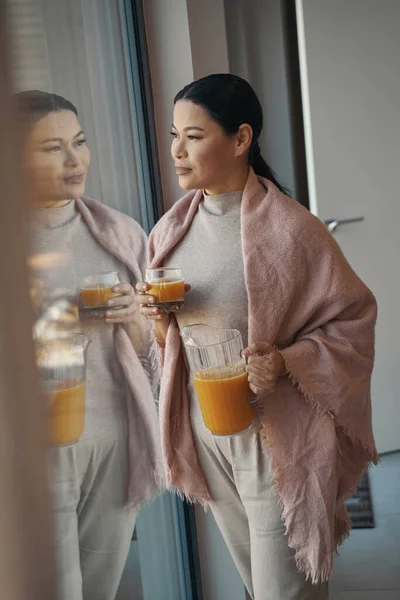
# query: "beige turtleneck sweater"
x,y
210,255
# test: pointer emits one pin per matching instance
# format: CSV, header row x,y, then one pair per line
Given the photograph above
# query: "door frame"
x,y
295,99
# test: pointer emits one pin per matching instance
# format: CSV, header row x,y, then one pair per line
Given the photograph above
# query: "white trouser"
x,y
248,514
93,530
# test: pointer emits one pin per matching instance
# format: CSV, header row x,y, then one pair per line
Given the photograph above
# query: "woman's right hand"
x,y
146,306
146,303
161,319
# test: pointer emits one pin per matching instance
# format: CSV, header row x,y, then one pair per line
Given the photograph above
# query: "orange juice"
x,y
224,397
169,292
97,295
67,413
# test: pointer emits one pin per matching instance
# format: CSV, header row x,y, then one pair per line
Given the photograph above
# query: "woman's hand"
x,y
127,300
265,365
160,318
146,304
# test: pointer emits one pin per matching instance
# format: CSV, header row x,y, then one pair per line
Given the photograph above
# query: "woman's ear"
x,y
244,137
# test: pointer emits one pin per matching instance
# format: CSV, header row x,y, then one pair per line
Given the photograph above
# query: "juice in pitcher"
x,y
224,396
61,362
67,412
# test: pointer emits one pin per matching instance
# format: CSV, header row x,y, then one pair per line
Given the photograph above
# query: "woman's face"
x,y
57,159
205,156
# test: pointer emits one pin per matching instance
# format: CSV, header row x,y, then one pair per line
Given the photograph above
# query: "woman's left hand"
x,y
265,365
127,300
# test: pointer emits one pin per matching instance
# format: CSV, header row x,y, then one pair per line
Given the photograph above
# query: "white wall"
x,y
171,68
208,37
256,48
186,40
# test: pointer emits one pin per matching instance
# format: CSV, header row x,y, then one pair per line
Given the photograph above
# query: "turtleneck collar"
x,y
50,218
221,204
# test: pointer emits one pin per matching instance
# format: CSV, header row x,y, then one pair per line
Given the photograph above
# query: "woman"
x,y
260,262
99,483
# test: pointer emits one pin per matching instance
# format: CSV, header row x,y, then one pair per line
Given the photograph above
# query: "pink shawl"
x,y
125,239
303,297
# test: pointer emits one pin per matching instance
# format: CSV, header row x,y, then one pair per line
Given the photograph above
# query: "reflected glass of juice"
x,y
97,289
168,286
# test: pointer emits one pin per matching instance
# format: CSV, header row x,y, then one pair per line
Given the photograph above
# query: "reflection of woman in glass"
x,y
261,263
98,483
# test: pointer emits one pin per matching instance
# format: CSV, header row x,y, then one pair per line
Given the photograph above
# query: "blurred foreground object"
x,y
26,558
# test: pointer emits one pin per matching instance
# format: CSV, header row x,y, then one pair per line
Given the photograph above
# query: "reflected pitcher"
x,y
220,378
62,366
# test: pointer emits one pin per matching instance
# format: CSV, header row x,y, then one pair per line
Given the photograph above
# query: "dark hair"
x,y
231,101
33,105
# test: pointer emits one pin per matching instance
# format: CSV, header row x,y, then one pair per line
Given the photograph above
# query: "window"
x,y
92,52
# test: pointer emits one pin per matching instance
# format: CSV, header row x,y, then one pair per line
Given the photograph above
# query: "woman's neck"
x,y
233,184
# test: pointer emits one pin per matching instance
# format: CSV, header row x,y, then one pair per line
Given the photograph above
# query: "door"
x,y
349,61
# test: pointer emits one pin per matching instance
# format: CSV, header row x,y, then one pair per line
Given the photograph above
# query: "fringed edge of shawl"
x,y
190,499
160,486
324,572
149,358
183,495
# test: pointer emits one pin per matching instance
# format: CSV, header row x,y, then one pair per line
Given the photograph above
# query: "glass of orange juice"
x,y
97,289
220,378
168,286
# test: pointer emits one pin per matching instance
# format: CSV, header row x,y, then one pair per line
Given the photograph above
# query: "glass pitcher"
x,y
220,379
62,366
